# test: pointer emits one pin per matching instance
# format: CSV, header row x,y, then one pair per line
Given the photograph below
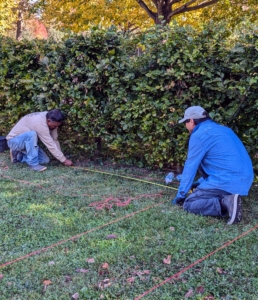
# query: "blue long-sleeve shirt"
x,y
223,157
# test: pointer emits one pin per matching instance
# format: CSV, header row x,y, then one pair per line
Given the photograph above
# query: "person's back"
x,y
226,160
225,165
34,121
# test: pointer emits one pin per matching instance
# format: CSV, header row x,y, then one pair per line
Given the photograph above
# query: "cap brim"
x,y
181,121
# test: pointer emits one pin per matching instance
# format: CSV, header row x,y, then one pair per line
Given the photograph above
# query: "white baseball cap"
x,y
193,112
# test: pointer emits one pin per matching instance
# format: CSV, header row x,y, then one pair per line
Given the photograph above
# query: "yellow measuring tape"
x,y
127,177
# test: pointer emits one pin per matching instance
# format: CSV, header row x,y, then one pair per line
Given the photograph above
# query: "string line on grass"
x,y
78,235
123,176
175,276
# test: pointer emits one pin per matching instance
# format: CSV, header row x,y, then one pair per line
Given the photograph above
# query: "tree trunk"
x,y
165,12
19,22
19,27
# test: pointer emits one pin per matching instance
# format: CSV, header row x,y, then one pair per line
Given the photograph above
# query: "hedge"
x,y
124,93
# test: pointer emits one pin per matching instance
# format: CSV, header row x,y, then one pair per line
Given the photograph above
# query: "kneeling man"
x,y
226,168
23,139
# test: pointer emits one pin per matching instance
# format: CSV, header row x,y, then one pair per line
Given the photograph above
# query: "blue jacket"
x,y
223,157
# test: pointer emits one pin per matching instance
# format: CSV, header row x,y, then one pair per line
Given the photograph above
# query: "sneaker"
x,y
233,205
38,168
13,155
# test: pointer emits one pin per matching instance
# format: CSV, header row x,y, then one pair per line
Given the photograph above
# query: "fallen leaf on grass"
x,y
200,290
167,260
1,276
111,236
140,273
189,293
130,279
82,270
221,271
75,296
172,228
90,260
105,266
68,278
104,284
51,263
46,284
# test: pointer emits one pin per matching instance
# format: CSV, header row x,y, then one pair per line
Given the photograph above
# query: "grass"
x,y
38,210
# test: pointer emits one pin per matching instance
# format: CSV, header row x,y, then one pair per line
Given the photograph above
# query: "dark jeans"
x,y
205,202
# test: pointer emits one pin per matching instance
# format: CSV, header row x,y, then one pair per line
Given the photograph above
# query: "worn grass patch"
x,y
98,250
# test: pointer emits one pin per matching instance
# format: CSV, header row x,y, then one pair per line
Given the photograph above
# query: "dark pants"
x,y
205,202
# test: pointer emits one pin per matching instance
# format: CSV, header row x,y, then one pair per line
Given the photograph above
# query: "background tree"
x,y
21,11
80,15
7,18
17,19
165,10
230,12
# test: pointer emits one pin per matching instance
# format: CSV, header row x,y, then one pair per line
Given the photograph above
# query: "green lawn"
x,y
60,209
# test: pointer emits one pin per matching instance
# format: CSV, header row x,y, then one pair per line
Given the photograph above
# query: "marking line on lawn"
x,y
77,236
176,275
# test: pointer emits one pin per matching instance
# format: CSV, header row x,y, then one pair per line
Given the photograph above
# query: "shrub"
x,y
130,102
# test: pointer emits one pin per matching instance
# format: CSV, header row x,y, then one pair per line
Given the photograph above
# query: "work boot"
x,y
38,168
233,205
14,155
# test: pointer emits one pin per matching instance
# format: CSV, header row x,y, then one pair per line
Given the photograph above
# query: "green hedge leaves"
x,y
123,94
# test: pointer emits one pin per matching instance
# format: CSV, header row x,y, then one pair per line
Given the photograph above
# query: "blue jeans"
x,y
27,146
205,202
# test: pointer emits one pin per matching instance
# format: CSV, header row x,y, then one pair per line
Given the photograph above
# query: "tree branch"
x,y
154,2
150,13
186,8
171,2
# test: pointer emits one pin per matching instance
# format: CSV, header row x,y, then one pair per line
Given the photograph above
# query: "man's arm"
x,y
195,155
46,138
54,135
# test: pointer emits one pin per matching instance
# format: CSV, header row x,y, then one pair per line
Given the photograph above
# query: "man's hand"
x,y
178,201
68,163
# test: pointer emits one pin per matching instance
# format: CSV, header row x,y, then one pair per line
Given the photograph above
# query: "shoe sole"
x,y
11,156
237,210
41,170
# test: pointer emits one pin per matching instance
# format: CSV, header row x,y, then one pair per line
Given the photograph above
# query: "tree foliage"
x,y
80,15
7,16
230,12
13,15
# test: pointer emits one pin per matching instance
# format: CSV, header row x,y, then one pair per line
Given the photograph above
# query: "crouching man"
x,y
224,162
23,139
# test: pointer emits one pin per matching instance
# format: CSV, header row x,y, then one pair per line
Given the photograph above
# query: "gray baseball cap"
x,y
193,112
